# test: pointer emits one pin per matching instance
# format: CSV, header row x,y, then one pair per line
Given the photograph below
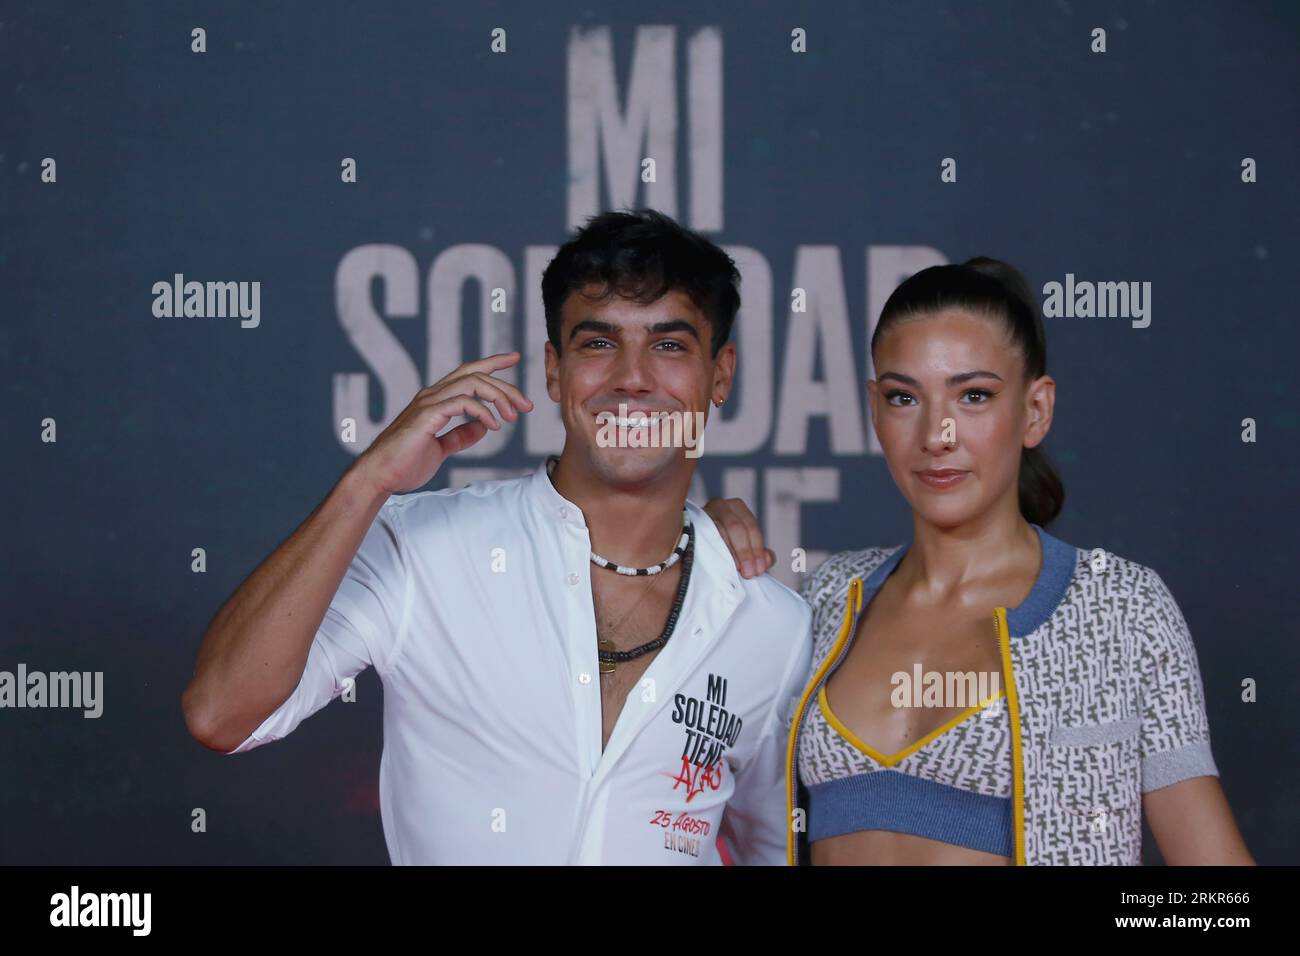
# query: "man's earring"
x,y
717,402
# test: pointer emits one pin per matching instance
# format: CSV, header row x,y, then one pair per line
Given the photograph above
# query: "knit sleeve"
x,y
1175,734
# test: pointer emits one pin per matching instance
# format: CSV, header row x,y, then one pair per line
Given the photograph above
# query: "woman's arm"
x,y
1193,824
1182,798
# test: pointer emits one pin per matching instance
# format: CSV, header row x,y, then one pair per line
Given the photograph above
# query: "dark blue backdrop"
x,y
819,170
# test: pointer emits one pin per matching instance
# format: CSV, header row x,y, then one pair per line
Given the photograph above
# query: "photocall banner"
x,y
238,239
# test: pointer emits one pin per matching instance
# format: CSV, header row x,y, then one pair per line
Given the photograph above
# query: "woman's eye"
x,y
890,396
981,395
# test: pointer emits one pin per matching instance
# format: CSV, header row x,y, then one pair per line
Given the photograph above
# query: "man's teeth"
x,y
631,421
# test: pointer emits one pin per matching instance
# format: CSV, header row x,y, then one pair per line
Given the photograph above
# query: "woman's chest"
x,y
905,674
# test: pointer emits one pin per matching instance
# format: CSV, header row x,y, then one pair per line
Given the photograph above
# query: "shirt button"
x,y
564,512
584,678
573,578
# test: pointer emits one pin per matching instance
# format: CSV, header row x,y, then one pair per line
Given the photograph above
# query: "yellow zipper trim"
x,y
1017,754
852,605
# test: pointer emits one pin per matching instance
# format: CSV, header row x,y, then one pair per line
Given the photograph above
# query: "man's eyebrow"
x,y
952,380
658,328
592,325
674,325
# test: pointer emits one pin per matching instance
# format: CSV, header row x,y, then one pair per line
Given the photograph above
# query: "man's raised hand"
x,y
409,452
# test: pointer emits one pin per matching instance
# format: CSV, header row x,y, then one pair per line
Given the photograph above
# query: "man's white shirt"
x,y
474,605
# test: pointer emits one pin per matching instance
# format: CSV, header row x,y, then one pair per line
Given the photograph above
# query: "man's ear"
x,y
552,372
724,371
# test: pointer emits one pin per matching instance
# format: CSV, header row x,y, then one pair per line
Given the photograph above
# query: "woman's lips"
x,y
941,478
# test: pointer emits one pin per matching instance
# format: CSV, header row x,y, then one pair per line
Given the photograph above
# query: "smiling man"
x,y
573,669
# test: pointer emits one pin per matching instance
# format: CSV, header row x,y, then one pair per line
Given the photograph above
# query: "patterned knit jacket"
x,y
1103,690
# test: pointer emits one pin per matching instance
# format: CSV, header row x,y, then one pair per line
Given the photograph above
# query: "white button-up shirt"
x,y
475,607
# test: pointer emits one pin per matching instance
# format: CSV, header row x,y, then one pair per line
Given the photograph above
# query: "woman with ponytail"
x,y
988,693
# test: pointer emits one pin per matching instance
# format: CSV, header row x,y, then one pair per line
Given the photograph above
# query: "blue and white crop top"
x,y
953,785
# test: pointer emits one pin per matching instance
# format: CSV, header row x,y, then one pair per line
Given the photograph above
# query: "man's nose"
x,y
632,371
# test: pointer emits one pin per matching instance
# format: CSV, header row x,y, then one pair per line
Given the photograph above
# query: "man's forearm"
x,y
255,650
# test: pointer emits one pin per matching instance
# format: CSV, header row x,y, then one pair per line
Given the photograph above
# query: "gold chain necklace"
x,y
604,644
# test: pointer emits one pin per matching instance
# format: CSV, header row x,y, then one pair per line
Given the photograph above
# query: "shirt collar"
x,y
1059,560
550,502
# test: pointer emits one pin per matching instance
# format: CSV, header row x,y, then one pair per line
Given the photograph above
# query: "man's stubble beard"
x,y
637,468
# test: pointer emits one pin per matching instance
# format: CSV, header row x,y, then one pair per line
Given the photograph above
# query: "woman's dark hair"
x,y
643,255
987,285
